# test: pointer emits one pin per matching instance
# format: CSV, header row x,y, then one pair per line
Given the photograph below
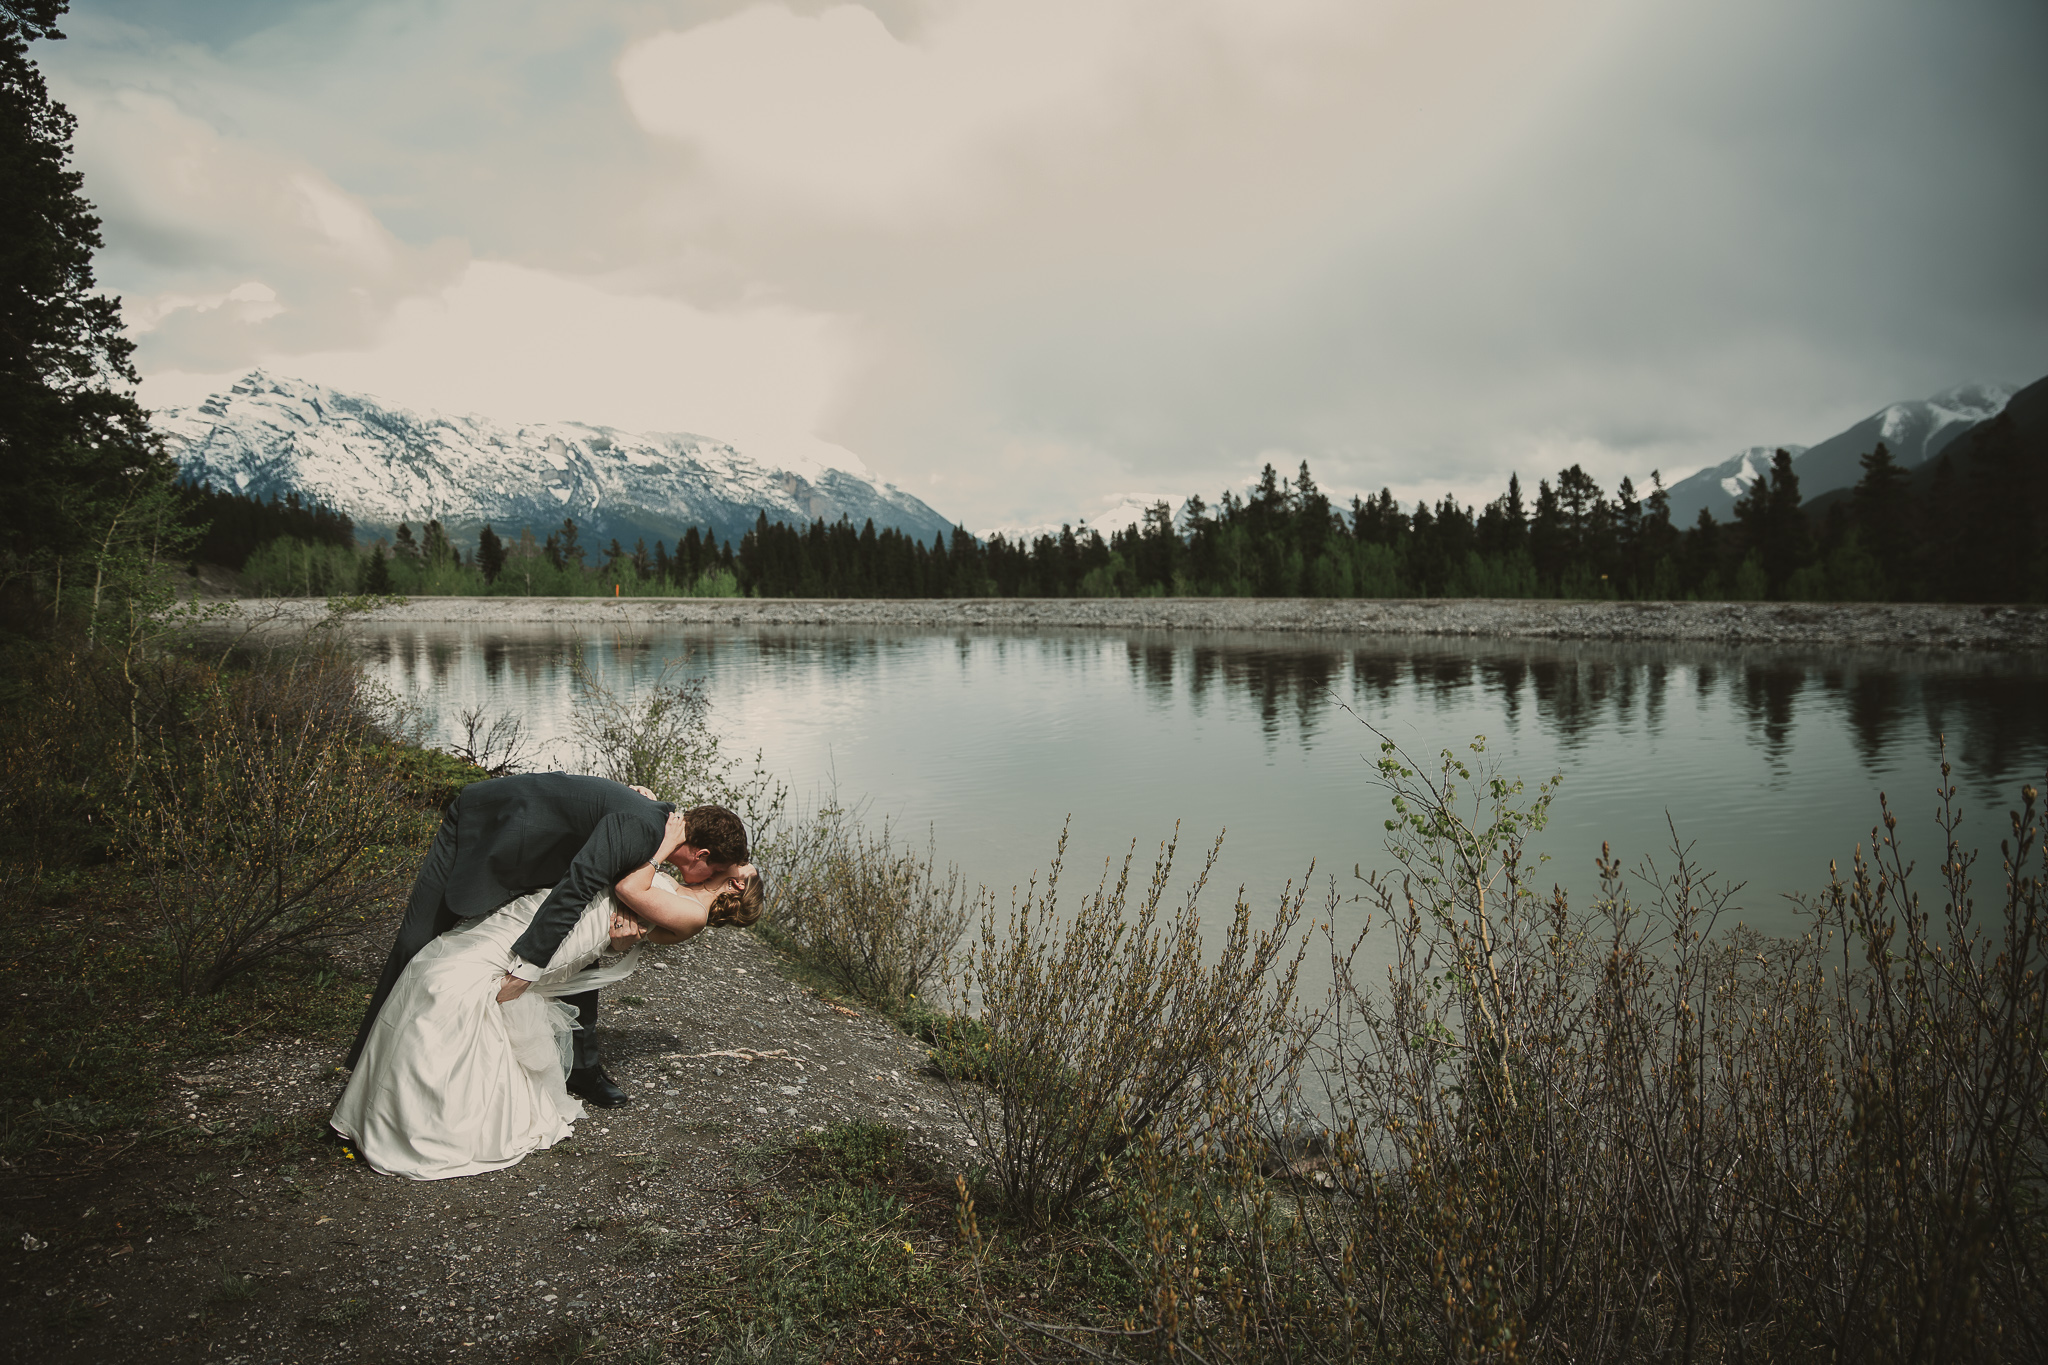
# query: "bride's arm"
x,y
674,911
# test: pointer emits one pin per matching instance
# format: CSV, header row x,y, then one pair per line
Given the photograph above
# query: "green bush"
x,y
659,736
1617,1133
1104,1025
289,567
878,921
258,839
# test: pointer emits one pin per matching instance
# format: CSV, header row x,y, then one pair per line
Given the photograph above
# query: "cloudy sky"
x,y
1026,258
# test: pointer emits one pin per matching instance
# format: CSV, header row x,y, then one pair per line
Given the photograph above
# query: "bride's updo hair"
x,y
738,908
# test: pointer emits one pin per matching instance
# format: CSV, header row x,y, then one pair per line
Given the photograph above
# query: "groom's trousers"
x,y
427,917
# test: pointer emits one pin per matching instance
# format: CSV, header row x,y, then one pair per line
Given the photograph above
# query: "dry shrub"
x,y
656,736
659,736
1616,1134
878,919
82,719
493,744
1101,1027
258,836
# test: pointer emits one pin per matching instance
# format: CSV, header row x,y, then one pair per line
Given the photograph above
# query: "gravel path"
x,y
1911,625
630,1224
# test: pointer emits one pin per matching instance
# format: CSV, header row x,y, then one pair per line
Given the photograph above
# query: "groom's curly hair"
x,y
718,832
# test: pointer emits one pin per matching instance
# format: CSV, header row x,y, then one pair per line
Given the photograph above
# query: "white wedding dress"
x,y
453,1083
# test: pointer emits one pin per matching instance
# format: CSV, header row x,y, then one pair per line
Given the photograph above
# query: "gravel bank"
x,y
1912,625
626,1228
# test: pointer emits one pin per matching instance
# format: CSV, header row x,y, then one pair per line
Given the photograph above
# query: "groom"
x,y
502,838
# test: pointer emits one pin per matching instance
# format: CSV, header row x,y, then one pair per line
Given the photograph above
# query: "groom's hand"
x,y
511,988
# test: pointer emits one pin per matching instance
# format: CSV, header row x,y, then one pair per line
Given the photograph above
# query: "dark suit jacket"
x,y
505,837
517,834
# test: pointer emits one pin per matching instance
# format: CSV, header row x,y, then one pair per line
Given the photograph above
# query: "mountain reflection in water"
x,y
1768,760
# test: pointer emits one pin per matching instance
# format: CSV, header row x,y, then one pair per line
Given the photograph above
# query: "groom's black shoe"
x,y
590,1083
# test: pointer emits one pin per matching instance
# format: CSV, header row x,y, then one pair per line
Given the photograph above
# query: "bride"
x,y
453,1083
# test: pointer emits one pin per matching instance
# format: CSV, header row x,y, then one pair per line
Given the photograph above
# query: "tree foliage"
x,y
87,480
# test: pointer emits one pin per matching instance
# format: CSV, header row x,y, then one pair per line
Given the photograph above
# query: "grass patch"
x,y
232,1290
649,1241
195,1218
856,1247
338,1316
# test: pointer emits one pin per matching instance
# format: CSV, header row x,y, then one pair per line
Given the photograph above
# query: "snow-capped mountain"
x,y
1124,513
270,435
1913,432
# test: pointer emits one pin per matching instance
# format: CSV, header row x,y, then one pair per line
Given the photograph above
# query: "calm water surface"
x,y
1769,762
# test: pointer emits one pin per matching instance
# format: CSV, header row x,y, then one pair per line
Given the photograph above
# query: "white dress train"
x,y
453,1083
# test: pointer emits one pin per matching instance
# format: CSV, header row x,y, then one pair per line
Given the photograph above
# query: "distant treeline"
x,y
431,564
1967,527
1971,525
235,525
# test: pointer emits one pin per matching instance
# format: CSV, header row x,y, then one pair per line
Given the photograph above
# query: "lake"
x,y
1769,761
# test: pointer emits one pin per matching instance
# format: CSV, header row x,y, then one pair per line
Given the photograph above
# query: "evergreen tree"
x,y
490,554
1788,538
1378,520
572,552
643,566
1311,516
661,566
1583,507
1944,533
1883,518
1157,553
1701,557
84,475
439,551
1660,541
404,547
375,574
1503,528
1549,538
1628,569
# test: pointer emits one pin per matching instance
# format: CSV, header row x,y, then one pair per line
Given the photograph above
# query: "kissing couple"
x,y
485,1019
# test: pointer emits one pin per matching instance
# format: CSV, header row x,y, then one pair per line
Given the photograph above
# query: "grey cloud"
x,y
1722,225
1755,228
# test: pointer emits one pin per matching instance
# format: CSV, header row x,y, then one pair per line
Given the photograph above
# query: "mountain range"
x,y
271,436
1914,433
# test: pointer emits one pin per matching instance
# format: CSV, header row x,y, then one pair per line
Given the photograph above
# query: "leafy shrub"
x,y
878,920
1615,1133
1103,1026
659,736
260,837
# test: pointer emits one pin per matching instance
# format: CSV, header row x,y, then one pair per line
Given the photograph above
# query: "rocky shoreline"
x,y
1896,625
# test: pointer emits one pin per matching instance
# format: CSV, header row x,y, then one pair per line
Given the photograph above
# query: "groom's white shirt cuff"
x,y
518,966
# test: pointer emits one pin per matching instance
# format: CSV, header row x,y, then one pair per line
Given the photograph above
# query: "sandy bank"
x,y
1788,623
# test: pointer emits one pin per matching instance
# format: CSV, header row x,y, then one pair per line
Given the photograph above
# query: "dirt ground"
x,y
314,1257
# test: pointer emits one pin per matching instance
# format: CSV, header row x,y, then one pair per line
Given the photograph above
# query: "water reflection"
x,y
1771,758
